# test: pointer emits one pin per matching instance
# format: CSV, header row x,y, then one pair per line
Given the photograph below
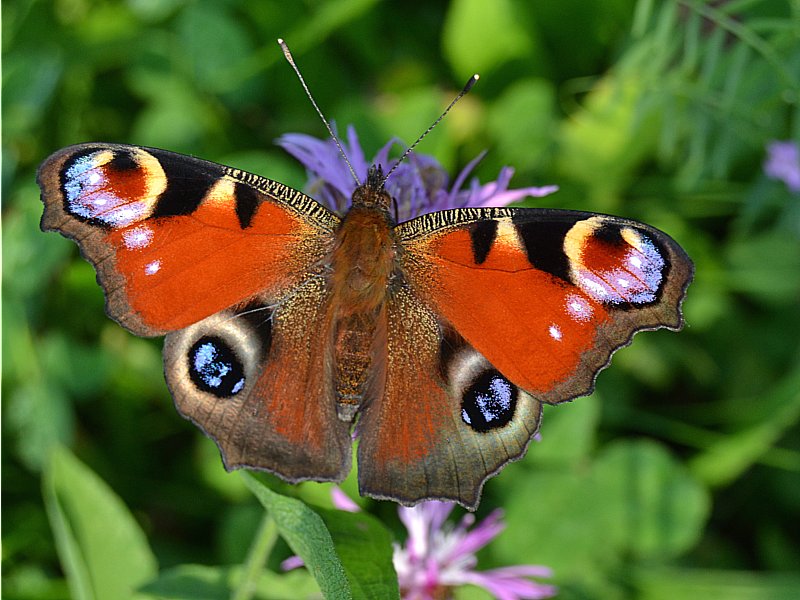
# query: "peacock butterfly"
x,y
288,325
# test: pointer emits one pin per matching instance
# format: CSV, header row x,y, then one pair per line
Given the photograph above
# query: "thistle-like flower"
x,y
438,557
419,185
783,163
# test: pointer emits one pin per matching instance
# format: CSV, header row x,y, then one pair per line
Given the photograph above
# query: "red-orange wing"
x,y
230,266
175,239
503,309
546,295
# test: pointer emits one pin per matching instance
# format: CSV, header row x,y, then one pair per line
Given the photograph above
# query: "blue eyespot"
x,y
215,368
489,402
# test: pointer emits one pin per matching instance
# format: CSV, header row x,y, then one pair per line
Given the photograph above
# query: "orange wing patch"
x,y
531,326
181,269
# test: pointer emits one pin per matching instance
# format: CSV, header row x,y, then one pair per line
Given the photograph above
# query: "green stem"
x,y
257,557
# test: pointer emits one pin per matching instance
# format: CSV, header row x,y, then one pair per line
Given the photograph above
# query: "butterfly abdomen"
x,y
362,263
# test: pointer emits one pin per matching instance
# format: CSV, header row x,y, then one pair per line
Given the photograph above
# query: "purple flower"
x,y
419,184
783,163
438,557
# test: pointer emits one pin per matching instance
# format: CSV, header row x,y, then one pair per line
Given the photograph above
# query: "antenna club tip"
x,y
472,81
280,41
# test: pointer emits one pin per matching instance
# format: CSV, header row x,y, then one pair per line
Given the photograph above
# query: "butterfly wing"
x,y
228,264
414,442
518,307
175,239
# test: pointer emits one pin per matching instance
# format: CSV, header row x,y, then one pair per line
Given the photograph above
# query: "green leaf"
x,y
729,457
635,498
214,42
103,550
604,142
479,36
41,417
701,584
201,582
522,121
305,532
657,508
365,548
766,266
569,433
554,518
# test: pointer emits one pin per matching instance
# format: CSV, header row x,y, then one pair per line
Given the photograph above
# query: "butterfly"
x,y
290,328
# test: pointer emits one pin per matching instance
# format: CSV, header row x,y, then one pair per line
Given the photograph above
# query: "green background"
x,y
679,477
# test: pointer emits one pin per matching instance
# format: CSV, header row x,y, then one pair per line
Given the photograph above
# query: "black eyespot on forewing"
x,y
489,402
214,367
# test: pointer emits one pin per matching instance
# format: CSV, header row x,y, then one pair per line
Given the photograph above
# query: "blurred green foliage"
x,y
679,477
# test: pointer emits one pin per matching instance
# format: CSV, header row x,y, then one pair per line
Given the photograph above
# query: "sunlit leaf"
x,y
479,36
657,508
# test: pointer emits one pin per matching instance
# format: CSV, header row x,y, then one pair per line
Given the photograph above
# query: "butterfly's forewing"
x,y
258,380
176,239
205,253
517,306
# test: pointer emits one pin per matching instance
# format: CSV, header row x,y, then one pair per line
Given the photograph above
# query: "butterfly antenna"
x,y
290,58
472,81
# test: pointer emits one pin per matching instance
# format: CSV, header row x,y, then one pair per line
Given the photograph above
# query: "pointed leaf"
x,y
103,550
306,534
365,548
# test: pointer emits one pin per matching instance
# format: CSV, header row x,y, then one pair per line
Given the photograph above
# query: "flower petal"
x,y
783,163
482,534
293,562
342,501
505,587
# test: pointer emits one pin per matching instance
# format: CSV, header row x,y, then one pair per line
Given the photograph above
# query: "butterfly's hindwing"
x,y
254,381
447,419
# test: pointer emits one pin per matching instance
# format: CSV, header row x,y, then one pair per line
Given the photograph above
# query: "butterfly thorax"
x,y
362,263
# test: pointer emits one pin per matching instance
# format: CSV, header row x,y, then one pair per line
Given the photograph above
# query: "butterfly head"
x,y
372,193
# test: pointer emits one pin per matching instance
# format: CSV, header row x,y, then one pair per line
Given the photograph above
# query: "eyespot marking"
x,y
615,264
214,367
489,402
112,187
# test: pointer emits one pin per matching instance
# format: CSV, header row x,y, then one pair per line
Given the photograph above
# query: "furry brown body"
x,y
362,263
